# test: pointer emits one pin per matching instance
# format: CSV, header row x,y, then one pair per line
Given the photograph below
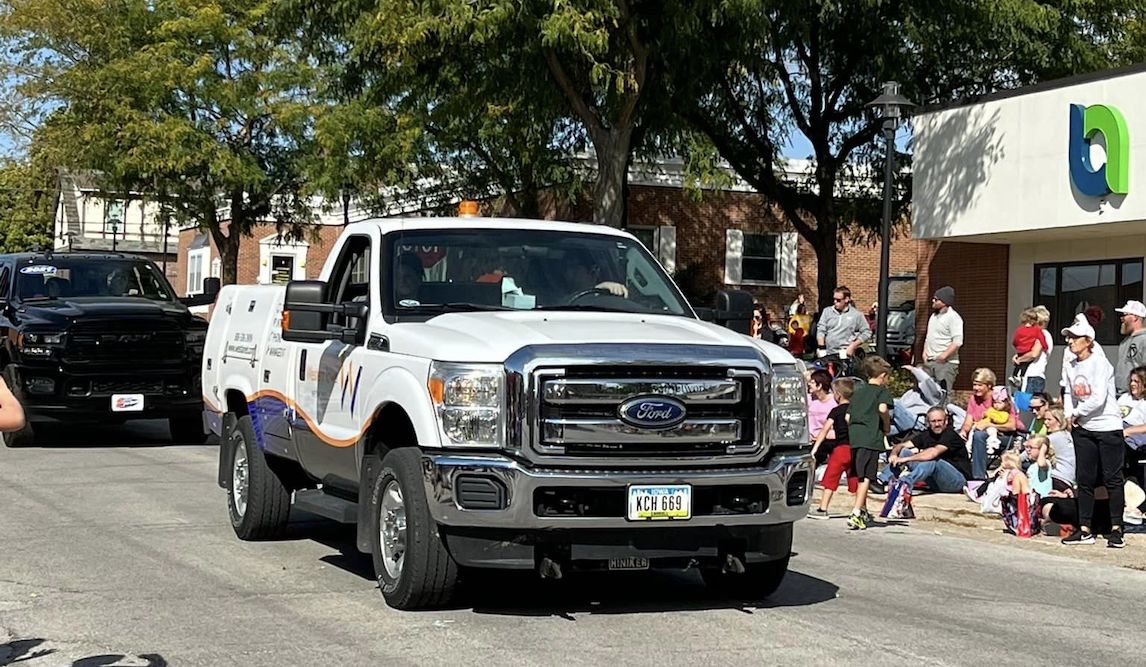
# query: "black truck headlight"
x,y
39,344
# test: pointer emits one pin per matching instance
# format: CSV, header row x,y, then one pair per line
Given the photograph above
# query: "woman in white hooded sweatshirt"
x,y
1092,407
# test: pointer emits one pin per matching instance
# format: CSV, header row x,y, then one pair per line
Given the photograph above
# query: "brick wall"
x,y
700,226
978,273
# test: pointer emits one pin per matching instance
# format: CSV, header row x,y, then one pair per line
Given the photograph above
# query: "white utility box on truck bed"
x,y
480,393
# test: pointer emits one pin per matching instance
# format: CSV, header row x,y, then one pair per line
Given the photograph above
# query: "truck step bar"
x,y
318,502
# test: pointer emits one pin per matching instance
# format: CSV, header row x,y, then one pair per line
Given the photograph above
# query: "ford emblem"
x,y
652,412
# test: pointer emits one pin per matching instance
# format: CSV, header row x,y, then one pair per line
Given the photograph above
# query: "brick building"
x,y
726,238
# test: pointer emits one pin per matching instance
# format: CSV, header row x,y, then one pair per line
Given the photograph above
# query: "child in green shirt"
x,y
869,419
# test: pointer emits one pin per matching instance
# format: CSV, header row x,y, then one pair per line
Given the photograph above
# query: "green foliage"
x,y
748,73
202,103
28,194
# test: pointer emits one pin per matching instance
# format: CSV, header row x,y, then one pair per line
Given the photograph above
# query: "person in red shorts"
x,y
834,438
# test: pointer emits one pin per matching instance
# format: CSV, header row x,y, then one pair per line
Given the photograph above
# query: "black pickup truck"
x,y
92,337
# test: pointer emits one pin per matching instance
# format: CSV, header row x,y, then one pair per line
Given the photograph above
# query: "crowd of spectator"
x,y
1080,451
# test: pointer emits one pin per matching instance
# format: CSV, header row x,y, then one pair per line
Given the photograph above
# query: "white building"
x,y
1038,196
90,218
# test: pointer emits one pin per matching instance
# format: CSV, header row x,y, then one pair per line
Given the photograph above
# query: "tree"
x,y
204,104
473,117
28,195
506,92
746,75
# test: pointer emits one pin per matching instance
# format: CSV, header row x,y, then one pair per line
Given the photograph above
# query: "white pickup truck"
x,y
481,393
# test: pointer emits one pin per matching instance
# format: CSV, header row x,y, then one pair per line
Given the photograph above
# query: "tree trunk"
x,y
827,255
612,149
228,247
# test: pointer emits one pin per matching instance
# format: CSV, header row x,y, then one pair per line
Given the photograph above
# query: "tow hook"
x,y
732,565
549,568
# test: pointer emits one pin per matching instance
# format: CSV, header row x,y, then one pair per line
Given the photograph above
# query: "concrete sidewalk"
x,y
954,514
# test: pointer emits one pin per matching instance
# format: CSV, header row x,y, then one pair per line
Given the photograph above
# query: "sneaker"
x,y
856,522
974,490
818,513
1132,516
1078,537
877,488
866,516
1114,540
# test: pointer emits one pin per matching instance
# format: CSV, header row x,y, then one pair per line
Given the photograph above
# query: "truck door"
x,y
272,409
328,376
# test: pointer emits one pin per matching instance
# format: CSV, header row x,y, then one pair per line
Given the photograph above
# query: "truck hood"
x,y
492,337
62,312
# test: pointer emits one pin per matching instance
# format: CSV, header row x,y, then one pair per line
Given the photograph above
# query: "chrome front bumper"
x,y
441,470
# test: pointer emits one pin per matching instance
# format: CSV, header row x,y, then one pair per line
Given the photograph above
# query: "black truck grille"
x,y
125,343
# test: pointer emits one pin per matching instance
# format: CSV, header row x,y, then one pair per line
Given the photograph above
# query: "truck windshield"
x,y
434,271
61,277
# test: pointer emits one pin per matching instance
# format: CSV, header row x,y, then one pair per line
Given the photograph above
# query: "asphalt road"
x,y
122,555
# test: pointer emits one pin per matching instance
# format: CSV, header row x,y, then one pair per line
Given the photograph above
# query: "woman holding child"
x,y
986,401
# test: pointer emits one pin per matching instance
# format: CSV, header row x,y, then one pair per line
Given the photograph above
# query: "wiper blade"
x,y
456,307
40,298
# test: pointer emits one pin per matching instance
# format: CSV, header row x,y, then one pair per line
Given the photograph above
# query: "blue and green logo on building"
x,y
1086,123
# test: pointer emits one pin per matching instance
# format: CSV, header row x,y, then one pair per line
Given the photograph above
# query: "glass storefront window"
x,y
1097,288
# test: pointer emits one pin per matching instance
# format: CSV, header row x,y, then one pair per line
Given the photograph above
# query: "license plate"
x,y
660,503
629,563
127,403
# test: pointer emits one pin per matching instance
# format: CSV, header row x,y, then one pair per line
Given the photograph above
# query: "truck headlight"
x,y
469,399
39,344
789,418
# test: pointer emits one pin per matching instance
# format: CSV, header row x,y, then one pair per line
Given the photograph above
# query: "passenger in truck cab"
x,y
408,275
582,273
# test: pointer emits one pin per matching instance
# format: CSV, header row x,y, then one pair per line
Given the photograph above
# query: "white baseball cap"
x,y
1079,329
1133,308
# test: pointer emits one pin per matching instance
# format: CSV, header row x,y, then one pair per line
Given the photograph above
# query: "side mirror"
x,y
734,310
706,314
306,315
211,287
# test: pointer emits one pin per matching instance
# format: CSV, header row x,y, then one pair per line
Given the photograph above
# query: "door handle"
x,y
302,366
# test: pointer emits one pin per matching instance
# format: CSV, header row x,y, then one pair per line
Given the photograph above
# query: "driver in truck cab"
x,y
408,276
582,273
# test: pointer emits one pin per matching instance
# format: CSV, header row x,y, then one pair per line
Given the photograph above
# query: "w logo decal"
x,y
1086,122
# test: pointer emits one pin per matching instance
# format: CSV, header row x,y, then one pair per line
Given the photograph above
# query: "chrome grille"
x,y
578,412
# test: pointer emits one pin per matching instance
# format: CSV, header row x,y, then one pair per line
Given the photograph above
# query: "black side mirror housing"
x,y
734,310
211,287
306,315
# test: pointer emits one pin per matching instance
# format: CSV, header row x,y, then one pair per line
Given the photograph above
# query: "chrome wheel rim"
x,y
239,480
392,529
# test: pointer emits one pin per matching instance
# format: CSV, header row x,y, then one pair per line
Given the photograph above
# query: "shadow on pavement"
x,y
25,651
524,594
143,433
22,650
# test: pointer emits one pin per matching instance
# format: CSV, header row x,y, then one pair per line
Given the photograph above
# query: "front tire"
x,y
25,436
258,502
414,569
187,429
759,581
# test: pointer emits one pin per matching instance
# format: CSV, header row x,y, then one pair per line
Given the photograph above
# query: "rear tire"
x,y
414,569
759,581
187,429
258,502
26,436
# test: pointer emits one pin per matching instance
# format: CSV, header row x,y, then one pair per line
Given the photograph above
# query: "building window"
x,y
1097,288
646,235
196,263
759,264
360,271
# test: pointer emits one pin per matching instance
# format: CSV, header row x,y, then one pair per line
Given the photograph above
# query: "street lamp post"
x,y
891,105
345,205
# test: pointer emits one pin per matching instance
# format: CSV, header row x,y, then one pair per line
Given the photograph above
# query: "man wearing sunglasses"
x,y
842,328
